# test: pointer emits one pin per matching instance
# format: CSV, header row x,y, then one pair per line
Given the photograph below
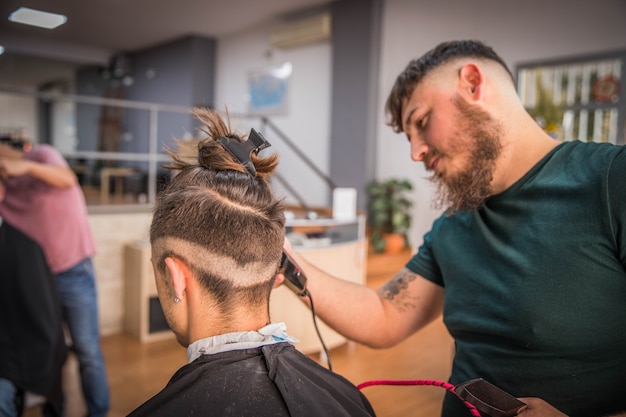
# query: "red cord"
x,y
436,383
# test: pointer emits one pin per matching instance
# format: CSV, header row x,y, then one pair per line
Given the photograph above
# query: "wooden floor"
x,y
136,371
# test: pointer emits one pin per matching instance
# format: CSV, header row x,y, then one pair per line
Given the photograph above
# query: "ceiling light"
x,y
1,49
37,18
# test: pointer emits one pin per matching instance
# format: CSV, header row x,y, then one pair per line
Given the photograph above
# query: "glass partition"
x,y
115,147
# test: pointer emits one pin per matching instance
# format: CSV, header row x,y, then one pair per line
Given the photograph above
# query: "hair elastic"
x,y
242,150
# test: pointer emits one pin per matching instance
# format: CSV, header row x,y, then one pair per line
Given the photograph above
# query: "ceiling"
x,y
98,29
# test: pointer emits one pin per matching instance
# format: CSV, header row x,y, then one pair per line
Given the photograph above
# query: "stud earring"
x,y
176,299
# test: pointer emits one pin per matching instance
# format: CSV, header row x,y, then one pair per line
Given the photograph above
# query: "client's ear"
x,y
177,272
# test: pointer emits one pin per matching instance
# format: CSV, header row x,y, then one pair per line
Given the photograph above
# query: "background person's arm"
x,y
54,175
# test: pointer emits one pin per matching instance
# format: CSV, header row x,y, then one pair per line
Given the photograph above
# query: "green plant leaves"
x,y
389,209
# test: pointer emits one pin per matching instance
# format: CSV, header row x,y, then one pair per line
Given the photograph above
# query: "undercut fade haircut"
x,y
418,68
222,222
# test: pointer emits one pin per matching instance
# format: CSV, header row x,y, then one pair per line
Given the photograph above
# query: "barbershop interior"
x,y
112,84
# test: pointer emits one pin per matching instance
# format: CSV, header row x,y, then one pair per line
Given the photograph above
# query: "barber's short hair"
x,y
418,68
221,220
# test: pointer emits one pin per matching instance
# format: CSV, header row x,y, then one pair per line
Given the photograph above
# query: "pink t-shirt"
x,y
53,217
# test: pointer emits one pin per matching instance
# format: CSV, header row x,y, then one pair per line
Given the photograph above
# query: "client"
x,y
32,344
217,236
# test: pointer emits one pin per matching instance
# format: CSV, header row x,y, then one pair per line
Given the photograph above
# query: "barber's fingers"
x,y
537,407
280,278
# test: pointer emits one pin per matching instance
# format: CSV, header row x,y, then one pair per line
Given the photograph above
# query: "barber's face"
x,y
480,142
458,142
2,191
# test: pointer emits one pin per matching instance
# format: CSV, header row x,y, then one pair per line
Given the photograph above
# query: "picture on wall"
x,y
268,90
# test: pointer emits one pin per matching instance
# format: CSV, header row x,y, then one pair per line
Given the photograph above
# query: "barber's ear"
x,y
472,80
177,271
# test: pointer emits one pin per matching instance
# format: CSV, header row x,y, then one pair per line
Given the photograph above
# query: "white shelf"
x,y
324,232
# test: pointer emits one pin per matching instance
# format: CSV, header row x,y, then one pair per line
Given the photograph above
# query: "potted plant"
x,y
389,214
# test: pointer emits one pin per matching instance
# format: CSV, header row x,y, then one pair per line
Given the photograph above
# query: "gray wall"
x,y
179,73
356,49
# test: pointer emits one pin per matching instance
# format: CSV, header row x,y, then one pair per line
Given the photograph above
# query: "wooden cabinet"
x,y
345,260
381,267
143,316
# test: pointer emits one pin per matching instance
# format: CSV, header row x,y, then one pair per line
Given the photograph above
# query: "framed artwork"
x,y
268,90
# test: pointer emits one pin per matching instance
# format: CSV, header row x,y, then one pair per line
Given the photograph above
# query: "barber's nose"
x,y
419,149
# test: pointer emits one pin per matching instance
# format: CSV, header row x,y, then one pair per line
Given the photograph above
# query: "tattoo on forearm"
x,y
396,290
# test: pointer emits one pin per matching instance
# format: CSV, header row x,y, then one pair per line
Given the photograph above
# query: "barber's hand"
x,y
280,278
536,407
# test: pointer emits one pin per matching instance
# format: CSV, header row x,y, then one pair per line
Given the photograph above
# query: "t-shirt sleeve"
x,y
46,154
617,202
423,262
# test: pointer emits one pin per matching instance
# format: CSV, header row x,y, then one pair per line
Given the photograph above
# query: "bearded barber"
x,y
528,262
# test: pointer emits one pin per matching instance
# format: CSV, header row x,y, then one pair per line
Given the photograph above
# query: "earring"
x,y
176,299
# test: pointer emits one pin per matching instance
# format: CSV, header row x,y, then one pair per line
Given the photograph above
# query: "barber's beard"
x,y
468,190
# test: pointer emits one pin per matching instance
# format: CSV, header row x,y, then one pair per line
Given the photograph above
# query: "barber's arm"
x,y
54,175
378,319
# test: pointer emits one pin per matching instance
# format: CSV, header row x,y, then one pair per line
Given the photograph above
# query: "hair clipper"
x,y
295,280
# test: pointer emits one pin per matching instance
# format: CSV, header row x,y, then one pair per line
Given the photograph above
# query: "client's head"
x,y
217,236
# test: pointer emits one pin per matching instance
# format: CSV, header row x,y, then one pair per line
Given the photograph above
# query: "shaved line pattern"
x,y
396,291
221,266
232,203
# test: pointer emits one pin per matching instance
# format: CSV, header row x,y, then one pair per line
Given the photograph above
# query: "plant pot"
x,y
394,243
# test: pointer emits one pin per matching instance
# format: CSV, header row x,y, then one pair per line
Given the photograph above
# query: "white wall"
x,y
518,30
308,121
18,115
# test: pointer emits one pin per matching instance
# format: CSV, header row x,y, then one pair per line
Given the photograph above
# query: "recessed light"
x,y
37,18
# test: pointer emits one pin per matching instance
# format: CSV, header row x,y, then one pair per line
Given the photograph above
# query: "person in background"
x,y
44,201
32,345
216,238
527,263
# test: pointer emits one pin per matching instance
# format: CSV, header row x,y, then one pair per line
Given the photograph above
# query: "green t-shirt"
x,y
535,283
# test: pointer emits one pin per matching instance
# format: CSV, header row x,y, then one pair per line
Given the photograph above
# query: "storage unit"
x,y
143,316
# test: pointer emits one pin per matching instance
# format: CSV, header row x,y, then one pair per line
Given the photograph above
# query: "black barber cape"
x,y
32,347
269,381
